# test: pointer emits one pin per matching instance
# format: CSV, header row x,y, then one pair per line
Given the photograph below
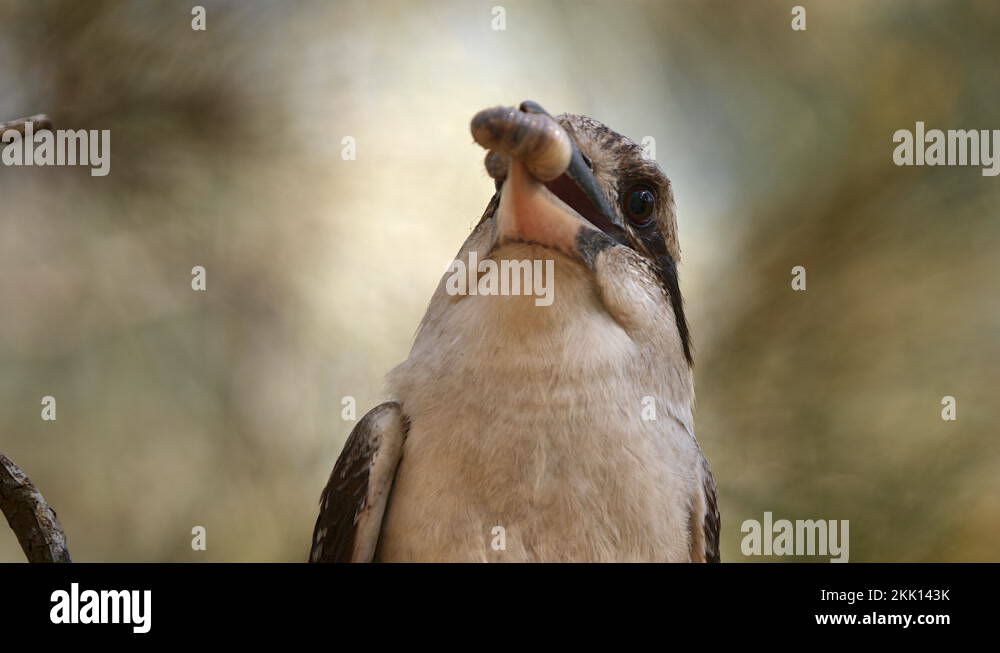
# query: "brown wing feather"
x,y
704,522
713,521
354,500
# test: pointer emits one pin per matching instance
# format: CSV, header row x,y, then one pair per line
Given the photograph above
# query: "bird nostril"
x,y
586,159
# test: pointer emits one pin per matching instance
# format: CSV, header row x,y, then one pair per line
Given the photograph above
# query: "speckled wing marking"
x,y
353,503
705,545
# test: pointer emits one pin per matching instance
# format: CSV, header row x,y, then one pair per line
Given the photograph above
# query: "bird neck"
x,y
507,352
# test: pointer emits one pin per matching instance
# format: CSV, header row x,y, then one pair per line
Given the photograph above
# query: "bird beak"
x,y
549,193
578,188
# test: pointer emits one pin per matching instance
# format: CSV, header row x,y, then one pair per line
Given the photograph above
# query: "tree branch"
x,y
33,521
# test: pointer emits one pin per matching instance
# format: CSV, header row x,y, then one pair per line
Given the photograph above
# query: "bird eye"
x,y
639,204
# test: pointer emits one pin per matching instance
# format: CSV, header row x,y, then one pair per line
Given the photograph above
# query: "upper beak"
x,y
535,211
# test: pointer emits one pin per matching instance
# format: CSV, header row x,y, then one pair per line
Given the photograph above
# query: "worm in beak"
x,y
535,139
530,146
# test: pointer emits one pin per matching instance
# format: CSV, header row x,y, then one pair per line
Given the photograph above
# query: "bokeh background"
x,y
222,408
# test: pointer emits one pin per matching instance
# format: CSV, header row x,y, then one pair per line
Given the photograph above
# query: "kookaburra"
x,y
526,432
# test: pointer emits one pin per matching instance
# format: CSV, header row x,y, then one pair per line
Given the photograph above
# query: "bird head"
x,y
571,185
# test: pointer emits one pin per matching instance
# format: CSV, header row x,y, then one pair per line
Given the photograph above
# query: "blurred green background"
x,y
222,408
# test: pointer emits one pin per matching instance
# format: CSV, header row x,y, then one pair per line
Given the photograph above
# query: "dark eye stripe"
x,y
666,270
653,241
